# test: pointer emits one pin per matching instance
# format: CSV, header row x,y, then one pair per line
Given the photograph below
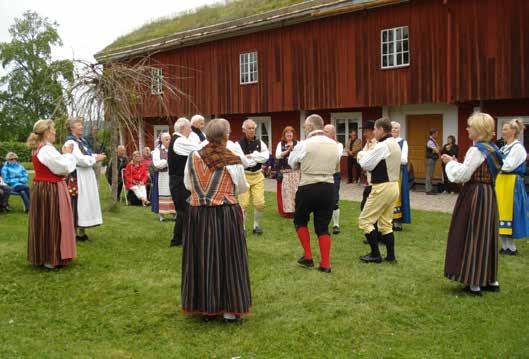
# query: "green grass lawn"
x,y
121,297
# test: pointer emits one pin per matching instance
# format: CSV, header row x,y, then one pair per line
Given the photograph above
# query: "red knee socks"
x,y
304,238
325,250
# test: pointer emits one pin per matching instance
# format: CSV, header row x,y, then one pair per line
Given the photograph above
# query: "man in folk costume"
x,y
317,157
198,123
432,155
383,162
179,149
257,153
82,183
330,132
402,211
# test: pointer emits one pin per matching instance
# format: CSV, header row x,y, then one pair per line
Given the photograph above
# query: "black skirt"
x,y
215,274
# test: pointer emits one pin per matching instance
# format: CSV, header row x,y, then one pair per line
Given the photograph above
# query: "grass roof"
x,y
203,16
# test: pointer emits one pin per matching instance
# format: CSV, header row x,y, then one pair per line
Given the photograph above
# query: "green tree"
x,y
33,82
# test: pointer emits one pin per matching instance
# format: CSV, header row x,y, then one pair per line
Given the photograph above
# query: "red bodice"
x,y
43,173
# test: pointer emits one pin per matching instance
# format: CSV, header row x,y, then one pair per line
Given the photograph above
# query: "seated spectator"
x,y
4,196
122,162
16,177
136,177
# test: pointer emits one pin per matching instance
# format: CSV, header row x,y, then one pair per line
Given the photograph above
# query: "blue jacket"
x,y
14,174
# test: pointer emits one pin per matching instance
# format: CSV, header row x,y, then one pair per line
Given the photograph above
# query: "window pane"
x,y
399,34
399,59
384,49
384,61
390,35
341,138
405,45
390,61
399,46
405,32
340,127
406,58
384,36
391,48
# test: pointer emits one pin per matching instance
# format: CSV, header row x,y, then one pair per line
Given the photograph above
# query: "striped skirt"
x,y
472,248
51,235
165,201
215,274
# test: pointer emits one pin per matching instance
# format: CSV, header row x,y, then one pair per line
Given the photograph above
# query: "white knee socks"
x,y
257,215
508,243
336,218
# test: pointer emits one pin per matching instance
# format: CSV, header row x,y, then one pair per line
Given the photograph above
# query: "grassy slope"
x,y
202,16
120,298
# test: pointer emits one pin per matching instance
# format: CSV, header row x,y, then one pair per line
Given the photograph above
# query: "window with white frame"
x,y
156,81
344,124
263,130
248,67
395,48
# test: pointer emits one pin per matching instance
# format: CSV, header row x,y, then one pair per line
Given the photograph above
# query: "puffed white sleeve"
x,y
515,158
461,172
239,179
236,148
81,159
297,155
370,159
59,164
404,153
187,172
278,151
263,156
157,161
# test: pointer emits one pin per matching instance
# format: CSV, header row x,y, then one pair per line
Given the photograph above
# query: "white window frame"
x,y
348,117
393,42
267,121
156,81
245,62
157,130
504,119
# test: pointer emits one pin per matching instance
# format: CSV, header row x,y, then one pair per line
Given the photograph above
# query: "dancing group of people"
x,y
211,182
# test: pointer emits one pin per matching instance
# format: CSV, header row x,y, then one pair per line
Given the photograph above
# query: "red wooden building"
x,y
423,63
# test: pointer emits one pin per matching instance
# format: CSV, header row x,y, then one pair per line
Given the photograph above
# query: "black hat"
x,y
368,125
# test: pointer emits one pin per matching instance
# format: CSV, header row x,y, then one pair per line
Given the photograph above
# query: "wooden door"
x,y
418,127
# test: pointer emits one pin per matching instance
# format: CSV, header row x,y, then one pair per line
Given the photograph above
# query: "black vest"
x,y
430,153
249,147
199,133
380,172
176,163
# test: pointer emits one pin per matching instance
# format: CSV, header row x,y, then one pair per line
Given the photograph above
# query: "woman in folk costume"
x,y
82,184
215,273
163,194
472,247
51,235
402,210
513,204
287,178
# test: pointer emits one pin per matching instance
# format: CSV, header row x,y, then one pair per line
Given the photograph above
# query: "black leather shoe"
x,y
476,293
324,270
258,230
81,238
307,263
335,230
397,227
175,244
390,260
512,253
368,258
504,251
492,288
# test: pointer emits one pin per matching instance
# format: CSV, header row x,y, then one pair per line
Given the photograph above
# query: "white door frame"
x,y
355,117
267,120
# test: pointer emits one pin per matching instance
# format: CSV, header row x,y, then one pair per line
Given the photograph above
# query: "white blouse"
x,y
157,161
462,172
82,160
515,156
404,151
236,173
59,164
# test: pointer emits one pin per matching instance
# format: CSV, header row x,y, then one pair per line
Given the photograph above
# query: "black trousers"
x,y
353,169
317,198
179,194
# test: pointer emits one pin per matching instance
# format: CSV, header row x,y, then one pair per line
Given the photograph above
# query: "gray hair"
x,y
316,121
181,123
217,129
247,122
330,128
197,118
11,155
165,134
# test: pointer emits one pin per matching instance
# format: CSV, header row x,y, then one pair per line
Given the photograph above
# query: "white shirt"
x,y
279,151
82,160
193,137
515,155
300,151
236,173
230,145
59,164
157,160
368,160
183,146
255,157
404,151
462,172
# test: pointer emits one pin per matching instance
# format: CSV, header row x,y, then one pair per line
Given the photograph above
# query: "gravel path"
x,y
419,200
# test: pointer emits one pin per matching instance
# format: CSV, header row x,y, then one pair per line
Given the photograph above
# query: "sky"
x,y
86,27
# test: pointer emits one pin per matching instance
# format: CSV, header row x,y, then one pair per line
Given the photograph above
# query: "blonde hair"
x,y
483,123
72,121
517,125
40,128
